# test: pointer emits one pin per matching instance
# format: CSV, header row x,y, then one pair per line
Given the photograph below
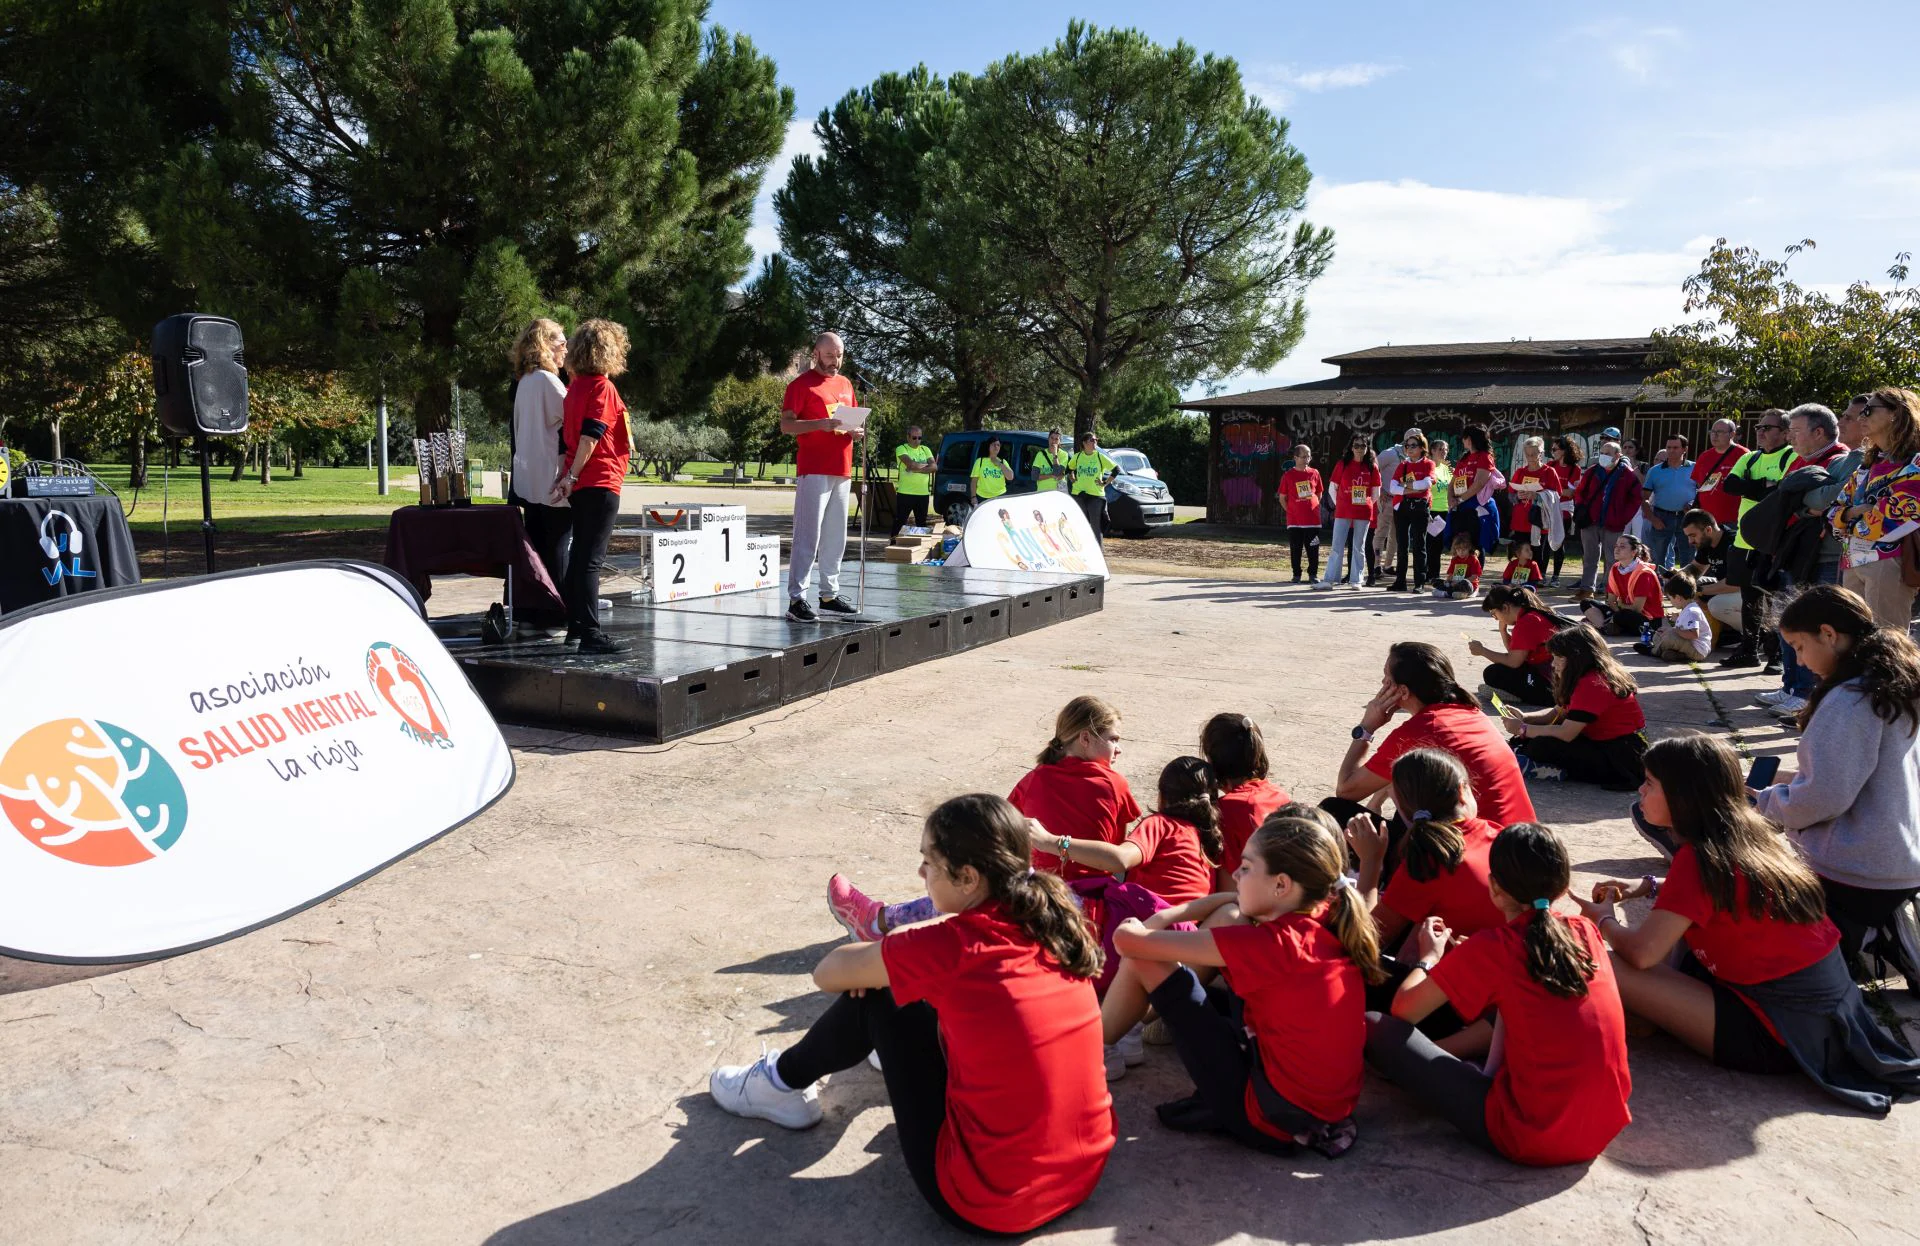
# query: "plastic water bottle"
x,y
1646,633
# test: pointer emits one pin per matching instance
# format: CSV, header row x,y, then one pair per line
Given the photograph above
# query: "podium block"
x,y
711,556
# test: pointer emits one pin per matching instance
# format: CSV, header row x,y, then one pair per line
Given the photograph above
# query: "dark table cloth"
x,y
425,541
55,547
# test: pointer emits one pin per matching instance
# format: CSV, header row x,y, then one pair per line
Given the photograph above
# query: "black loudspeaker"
x,y
200,375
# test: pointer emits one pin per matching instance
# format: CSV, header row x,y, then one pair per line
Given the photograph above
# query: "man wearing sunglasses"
x,y
1757,475
911,495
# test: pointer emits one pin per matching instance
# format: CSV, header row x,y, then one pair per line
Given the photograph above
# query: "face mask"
x,y
1606,462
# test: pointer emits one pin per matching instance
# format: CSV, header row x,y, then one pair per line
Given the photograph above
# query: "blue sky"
x,y
1493,170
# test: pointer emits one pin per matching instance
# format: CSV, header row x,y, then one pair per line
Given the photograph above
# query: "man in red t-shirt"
x,y
1711,469
824,459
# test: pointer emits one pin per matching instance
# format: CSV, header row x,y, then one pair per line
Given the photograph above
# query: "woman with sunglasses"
x,y
915,489
1880,507
1355,485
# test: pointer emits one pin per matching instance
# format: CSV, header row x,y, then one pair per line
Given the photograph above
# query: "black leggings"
x,y
1410,529
1531,684
911,1061
1457,1089
550,532
594,511
1219,1058
1307,539
908,506
1618,620
1543,552
1858,910
1094,507
1619,764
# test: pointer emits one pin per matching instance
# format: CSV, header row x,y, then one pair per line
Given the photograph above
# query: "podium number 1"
x,y
726,544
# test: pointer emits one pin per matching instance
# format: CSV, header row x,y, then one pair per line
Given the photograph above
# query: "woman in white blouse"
x,y
537,397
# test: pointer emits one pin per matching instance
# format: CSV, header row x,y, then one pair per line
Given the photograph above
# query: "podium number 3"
x,y
763,564
679,568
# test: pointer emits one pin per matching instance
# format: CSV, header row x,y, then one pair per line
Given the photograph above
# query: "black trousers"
x,y
912,1062
1543,552
1457,1089
1410,530
1094,507
1619,621
1219,1057
1531,684
909,506
1618,764
1305,540
1859,910
594,511
550,529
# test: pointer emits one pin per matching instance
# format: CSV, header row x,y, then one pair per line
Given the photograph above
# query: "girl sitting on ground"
x,y
1521,567
1524,671
1463,570
1234,747
986,1027
1275,1050
1687,636
1762,987
1558,1092
1074,790
1596,732
1633,592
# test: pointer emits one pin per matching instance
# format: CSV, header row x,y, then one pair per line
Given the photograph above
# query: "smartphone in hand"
x,y
1762,772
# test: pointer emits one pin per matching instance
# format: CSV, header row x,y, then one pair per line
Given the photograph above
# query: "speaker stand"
x,y
206,498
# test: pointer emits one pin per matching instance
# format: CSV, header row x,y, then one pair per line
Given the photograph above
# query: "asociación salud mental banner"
x,y
183,762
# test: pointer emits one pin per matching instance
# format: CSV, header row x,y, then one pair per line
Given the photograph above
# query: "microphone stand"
x,y
866,489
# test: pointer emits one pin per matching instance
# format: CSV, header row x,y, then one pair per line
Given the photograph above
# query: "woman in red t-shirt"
x,y
1474,512
1533,477
1275,1050
1356,485
595,451
1234,747
1300,493
1524,670
1412,489
1634,594
1557,1091
1764,987
986,1027
1596,732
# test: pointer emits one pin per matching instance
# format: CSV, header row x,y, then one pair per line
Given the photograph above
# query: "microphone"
x,y
860,379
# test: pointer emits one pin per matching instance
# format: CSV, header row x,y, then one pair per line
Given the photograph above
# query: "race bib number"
x,y
1359,495
1303,490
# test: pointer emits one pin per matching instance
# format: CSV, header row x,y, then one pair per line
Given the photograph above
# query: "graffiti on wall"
x,y
1246,445
1502,421
1307,422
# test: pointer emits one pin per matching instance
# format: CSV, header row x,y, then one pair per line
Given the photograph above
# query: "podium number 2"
x,y
763,564
679,568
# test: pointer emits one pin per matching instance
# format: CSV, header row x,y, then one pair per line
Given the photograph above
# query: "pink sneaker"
x,y
855,910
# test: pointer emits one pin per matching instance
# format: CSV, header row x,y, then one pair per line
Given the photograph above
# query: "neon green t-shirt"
x,y
1043,462
990,478
1087,470
914,484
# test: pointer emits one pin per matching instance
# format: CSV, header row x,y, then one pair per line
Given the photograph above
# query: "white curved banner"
x,y
1043,531
183,762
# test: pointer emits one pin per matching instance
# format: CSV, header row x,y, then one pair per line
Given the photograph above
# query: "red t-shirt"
x,y
1499,789
1300,491
1242,810
1607,716
1353,486
1172,865
1468,567
1469,466
1546,476
1710,471
1307,1008
1078,799
812,396
1458,896
1561,1095
1408,474
1513,572
1644,582
1531,632
1029,1120
594,406
1738,947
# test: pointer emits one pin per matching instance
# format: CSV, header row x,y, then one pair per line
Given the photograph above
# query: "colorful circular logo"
x,y
404,687
91,793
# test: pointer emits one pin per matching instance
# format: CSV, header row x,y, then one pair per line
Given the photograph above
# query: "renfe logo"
x,y
91,793
403,685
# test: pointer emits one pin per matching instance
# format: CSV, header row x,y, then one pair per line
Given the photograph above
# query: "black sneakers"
x,y
601,643
799,609
838,605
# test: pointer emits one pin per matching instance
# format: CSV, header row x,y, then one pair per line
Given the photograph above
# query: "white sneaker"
x,y
1789,705
747,1090
1133,1045
1116,1065
1774,697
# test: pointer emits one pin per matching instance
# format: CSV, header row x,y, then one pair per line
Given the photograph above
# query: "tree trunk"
x,y
1086,411
299,466
56,438
266,463
240,454
137,456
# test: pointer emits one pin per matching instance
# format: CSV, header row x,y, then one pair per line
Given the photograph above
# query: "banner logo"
x,y
91,793
404,686
63,549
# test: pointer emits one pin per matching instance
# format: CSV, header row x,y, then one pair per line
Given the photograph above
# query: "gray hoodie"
x,y
1853,807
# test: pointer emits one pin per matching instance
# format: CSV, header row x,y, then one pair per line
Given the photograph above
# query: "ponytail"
x,y
990,836
1081,715
1426,787
1188,793
1530,864
1314,857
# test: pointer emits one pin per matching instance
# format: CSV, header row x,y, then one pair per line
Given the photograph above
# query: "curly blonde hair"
x,y
597,348
534,347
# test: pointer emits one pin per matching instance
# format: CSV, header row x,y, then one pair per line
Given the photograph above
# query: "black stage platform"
x,y
699,663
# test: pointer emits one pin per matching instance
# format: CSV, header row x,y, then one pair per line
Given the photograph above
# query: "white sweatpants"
x,y
819,532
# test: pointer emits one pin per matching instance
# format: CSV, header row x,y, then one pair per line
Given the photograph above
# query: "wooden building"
x,y
1512,389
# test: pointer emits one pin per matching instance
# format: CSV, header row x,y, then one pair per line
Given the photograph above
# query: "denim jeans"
x,y
1669,542
1350,541
1795,678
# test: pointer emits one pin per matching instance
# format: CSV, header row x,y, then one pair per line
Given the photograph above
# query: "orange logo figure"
x,y
403,686
91,793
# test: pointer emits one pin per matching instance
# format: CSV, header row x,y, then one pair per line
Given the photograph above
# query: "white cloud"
x,y
1420,263
1638,51
1276,84
765,233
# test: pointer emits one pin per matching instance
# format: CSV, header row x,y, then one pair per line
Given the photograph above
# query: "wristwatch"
x,y
1425,965
1361,733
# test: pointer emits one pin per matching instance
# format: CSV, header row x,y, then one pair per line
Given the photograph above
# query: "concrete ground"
x,y
505,1039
